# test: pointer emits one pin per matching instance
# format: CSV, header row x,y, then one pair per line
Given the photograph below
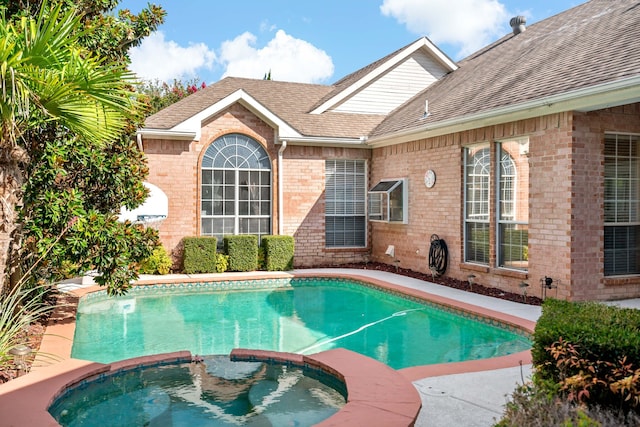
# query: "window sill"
x,y
357,249
622,280
474,267
523,275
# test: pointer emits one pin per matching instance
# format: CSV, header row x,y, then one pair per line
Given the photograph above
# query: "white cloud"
x,y
265,26
467,24
165,60
288,59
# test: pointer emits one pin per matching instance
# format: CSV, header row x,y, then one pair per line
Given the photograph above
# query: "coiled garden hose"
x,y
438,255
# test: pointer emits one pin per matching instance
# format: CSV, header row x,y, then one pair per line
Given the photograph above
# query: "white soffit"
x,y
194,123
422,43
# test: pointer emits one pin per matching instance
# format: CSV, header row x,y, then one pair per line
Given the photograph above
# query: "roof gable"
x,y
194,123
367,90
584,58
283,105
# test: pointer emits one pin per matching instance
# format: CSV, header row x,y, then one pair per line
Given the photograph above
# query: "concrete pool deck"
x,y
467,393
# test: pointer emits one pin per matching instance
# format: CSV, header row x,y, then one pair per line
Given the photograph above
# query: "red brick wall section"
x,y
304,179
565,197
174,167
431,210
550,160
587,243
566,203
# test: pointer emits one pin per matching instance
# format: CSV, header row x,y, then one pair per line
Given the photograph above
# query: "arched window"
x,y
477,188
478,168
513,204
236,188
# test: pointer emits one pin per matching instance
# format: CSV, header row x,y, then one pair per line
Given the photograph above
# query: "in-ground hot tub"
x,y
377,394
203,391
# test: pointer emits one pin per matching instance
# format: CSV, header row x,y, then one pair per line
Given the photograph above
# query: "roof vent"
x,y
426,113
517,23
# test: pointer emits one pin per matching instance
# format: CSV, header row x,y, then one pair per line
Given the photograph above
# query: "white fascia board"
x,y
194,123
166,134
310,141
444,59
383,68
593,98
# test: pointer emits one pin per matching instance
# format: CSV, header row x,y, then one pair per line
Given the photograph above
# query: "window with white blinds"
x,y
345,203
621,204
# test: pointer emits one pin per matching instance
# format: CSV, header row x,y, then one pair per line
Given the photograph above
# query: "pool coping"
x,y
54,368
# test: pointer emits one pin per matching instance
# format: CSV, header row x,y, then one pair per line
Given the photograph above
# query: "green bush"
x,y
278,252
262,261
529,406
200,255
222,263
158,262
589,352
242,250
19,308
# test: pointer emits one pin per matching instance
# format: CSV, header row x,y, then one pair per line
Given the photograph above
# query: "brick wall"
x,y
566,203
430,209
565,198
174,168
587,243
304,177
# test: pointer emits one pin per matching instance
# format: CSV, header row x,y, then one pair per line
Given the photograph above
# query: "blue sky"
x,y
317,41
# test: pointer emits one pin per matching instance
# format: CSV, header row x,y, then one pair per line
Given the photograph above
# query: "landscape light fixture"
x,y
20,354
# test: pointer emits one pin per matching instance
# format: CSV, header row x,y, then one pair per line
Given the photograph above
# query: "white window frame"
x,y
621,205
511,181
480,214
231,156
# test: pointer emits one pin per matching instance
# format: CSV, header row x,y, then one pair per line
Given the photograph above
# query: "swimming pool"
x,y
298,315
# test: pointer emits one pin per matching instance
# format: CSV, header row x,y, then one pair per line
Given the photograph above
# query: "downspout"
x,y
280,189
139,139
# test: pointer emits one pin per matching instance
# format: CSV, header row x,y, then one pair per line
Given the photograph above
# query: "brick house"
x,y
524,158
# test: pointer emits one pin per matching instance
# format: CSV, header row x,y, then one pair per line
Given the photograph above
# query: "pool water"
x,y
293,315
213,392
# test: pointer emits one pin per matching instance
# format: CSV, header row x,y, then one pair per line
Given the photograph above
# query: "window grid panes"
x,y
513,205
621,205
235,188
345,203
477,166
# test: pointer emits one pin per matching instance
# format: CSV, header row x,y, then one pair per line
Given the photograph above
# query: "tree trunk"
x,y
11,180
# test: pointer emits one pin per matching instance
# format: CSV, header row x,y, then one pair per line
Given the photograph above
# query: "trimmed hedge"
x,y
608,333
200,254
589,339
242,250
278,252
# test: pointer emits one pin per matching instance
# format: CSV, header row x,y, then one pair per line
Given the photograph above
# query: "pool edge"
x,y
59,337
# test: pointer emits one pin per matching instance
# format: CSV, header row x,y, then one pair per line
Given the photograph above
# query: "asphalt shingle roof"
x,y
289,101
594,43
